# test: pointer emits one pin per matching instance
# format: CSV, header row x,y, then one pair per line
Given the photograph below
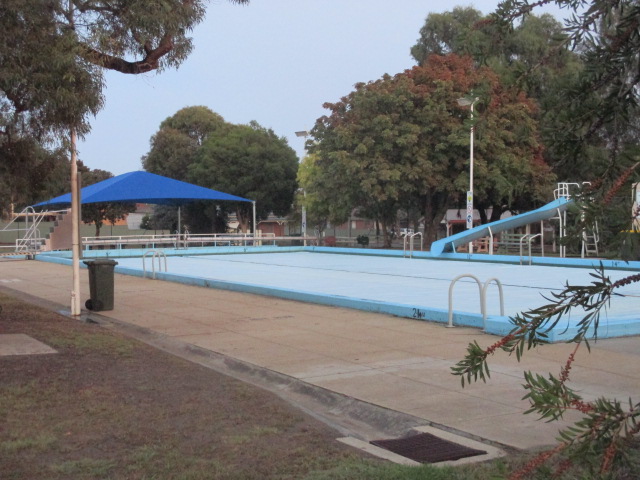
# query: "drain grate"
x,y
427,448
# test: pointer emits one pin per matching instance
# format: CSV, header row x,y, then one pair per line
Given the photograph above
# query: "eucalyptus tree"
x,y
583,74
318,211
54,54
30,173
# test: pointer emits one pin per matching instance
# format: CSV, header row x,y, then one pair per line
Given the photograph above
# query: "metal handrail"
x,y
172,239
482,288
529,238
32,239
413,235
484,297
159,254
453,282
410,236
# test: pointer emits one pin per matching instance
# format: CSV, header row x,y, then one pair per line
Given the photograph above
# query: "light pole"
x,y
469,102
303,221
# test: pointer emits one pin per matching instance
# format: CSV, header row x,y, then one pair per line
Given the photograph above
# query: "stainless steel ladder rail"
x,y
414,235
453,282
529,238
156,254
482,289
484,297
410,237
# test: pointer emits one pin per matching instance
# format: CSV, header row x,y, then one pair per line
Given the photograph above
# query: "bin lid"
x,y
100,261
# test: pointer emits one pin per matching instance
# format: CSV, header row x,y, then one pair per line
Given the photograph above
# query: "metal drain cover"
x,y
427,448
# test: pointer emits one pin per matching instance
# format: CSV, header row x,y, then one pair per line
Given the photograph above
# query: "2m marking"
x,y
418,313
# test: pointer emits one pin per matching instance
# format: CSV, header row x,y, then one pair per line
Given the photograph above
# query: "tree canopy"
x,y
54,56
175,146
584,74
531,55
403,141
30,173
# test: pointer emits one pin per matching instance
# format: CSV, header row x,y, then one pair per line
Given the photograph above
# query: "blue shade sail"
x,y
144,187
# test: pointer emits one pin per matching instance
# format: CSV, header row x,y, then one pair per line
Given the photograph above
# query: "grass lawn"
x,y
106,406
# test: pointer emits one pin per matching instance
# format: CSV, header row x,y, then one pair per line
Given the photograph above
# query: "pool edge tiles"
x,y
426,255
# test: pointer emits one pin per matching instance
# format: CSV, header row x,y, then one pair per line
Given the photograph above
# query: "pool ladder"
x,y
529,238
410,236
482,288
156,254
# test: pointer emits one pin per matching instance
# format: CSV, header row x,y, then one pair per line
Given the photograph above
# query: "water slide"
x,y
550,210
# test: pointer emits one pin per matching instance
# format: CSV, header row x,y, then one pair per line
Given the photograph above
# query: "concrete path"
x,y
398,364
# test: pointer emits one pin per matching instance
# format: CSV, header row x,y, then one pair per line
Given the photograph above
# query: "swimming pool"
x,y
384,281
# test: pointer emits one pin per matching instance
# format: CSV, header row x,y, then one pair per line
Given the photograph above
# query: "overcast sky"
x,y
273,61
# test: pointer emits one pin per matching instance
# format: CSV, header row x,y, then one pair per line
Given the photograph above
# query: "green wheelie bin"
x,y
100,284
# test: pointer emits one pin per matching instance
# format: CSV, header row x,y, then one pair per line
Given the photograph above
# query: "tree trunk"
x,y
243,220
483,214
496,213
386,239
435,206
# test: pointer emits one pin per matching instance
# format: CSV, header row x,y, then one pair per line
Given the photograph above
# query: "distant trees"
x,y
403,142
30,173
196,145
175,145
250,161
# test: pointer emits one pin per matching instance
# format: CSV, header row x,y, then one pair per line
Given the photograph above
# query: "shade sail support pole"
x,y
255,226
179,226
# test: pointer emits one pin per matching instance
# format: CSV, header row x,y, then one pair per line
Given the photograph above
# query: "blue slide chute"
x,y
550,210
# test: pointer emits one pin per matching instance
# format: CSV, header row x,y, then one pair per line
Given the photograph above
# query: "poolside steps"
x,y
60,234
590,245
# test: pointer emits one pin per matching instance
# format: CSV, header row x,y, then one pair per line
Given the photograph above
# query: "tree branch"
x,y
150,62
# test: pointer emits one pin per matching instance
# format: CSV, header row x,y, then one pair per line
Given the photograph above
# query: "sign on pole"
x,y
469,209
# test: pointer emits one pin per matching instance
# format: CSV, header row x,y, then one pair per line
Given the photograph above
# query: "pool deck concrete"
x,y
401,365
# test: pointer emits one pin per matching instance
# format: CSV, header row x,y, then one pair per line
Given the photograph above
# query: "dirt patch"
x,y
107,406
